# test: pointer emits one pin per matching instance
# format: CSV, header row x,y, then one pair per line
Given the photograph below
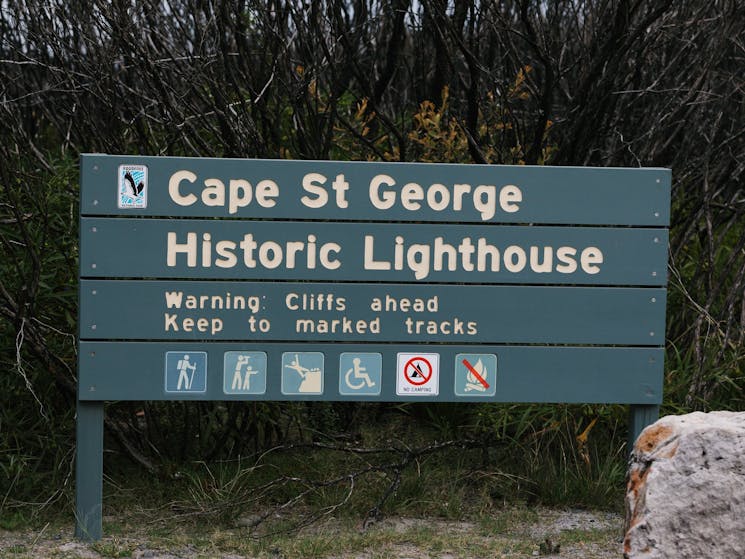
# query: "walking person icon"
x,y
184,378
186,372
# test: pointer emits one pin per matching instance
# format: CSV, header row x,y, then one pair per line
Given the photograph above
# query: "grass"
x,y
314,500
114,547
343,537
14,519
136,519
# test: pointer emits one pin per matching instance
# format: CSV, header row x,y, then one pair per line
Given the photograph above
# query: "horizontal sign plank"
x,y
197,310
230,249
252,188
140,371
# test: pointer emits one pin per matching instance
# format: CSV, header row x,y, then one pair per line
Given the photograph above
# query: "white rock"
x,y
686,488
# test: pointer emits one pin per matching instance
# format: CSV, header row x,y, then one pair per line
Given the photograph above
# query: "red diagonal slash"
x,y
475,374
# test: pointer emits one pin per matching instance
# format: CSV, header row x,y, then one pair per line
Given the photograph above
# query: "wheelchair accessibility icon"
x,y
360,373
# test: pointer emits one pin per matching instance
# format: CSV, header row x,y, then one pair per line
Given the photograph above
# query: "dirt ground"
x,y
546,533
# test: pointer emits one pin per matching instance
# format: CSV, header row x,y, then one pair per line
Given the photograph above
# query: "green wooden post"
x,y
89,471
640,416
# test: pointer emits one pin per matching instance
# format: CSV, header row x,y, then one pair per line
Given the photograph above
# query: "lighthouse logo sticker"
x,y
132,187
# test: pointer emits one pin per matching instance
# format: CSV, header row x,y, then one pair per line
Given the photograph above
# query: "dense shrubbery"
x,y
565,82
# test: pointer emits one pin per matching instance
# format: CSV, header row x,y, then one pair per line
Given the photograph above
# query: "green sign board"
x,y
215,279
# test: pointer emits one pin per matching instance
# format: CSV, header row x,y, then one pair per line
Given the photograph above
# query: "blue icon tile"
x,y
244,372
475,374
186,372
302,373
360,373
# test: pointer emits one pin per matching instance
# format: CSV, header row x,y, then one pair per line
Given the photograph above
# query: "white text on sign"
x,y
468,255
384,193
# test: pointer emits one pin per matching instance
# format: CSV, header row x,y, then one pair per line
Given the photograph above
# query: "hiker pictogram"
x,y
185,379
186,371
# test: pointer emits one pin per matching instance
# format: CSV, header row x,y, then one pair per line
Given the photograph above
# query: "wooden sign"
x,y
227,279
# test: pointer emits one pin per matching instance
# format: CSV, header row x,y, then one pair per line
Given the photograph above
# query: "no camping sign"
x,y
418,374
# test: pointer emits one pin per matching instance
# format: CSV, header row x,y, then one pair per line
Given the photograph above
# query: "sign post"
x,y
88,470
228,279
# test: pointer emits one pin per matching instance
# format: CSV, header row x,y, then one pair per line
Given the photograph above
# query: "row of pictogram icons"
x,y
303,373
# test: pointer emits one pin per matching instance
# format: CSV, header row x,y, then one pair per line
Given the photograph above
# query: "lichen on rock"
x,y
686,488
